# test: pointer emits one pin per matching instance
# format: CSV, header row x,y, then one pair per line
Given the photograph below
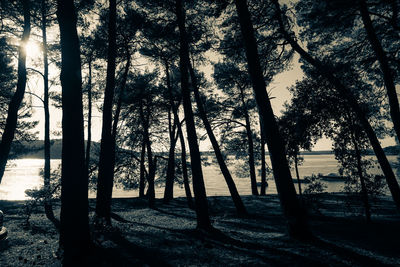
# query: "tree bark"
x,y
250,143
48,208
201,205
74,223
384,66
16,100
106,170
292,209
353,103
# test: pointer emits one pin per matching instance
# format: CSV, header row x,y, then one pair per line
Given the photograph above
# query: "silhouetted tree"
x,y
201,205
16,100
287,194
326,72
105,175
74,221
46,177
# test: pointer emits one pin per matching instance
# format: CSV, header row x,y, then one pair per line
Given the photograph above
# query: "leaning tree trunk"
x,y
106,170
292,209
201,205
240,208
48,208
74,181
384,65
250,143
16,100
352,101
181,138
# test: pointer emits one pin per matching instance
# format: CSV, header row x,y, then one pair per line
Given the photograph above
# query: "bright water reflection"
x,y
23,174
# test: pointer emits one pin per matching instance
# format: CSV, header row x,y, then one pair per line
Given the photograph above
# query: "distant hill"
x,y
35,149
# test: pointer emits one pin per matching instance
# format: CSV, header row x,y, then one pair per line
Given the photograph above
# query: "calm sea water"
x,y
23,174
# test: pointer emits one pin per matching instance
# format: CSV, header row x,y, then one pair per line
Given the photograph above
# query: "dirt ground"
x,y
166,236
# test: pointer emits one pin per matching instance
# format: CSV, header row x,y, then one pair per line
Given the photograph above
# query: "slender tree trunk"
x,y
89,124
364,191
240,208
120,97
142,168
296,167
181,138
201,205
169,181
384,65
185,170
48,208
74,223
116,118
151,163
250,143
106,170
264,183
352,101
292,209
16,100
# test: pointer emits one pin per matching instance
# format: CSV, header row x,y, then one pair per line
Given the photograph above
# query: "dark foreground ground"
x,y
166,236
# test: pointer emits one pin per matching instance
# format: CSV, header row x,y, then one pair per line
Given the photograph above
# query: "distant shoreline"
x,y
35,150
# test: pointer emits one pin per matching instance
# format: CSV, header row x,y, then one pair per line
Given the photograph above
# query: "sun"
x,y
32,49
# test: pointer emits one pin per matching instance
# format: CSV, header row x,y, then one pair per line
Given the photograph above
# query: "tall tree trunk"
x,y
185,170
250,143
352,101
292,209
181,138
16,100
89,124
142,169
201,205
151,163
48,208
169,181
264,183
296,167
240,208
106,170
74,221
384,65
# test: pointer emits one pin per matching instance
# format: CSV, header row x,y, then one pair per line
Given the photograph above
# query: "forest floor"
x,y
166,236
